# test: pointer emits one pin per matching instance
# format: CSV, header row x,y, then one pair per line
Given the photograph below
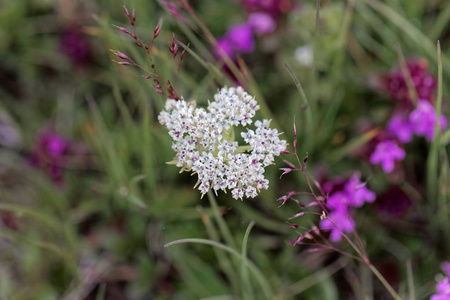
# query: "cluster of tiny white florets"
x,y
204,142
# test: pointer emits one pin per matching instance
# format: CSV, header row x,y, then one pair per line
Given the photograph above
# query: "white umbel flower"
x,y
204,142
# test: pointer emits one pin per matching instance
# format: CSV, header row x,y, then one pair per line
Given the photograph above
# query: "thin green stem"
x,y
384,282
265,286
247,287
224,261
223,228
313,279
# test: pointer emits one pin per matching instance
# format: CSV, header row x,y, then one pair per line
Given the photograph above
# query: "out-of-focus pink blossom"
x,y
276,8
385,154
339,201
443,290
338,222
75,46
238,39
262,23
345,196
358,192
424,83
445,266
400,127
49,154
423,119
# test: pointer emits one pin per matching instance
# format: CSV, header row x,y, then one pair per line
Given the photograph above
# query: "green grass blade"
x,y
247,287
264,285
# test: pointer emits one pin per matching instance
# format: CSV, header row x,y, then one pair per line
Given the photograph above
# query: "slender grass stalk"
x,y
224,261
409,83
264,285
247,287
440,24
315,46
420,39
309,128
433,156
313,279
223,227
384,282
411,289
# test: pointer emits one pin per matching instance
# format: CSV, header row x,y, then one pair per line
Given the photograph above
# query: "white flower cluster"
x,y
204,142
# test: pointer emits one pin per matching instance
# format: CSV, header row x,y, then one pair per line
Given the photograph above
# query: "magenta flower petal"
x,y
423,119
400,127
262,23
385,154
338,222
240,38
358,192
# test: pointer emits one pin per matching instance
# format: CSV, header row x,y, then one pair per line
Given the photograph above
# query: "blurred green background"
x,y
100,233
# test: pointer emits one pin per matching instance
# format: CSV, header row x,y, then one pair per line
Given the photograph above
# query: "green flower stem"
x,y
384,282
264,285
247,287
224,261
223,228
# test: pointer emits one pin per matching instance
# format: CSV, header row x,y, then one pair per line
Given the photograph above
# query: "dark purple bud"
x,y
182,55
134,15
127,13
139,44
315,230
289,164
286,152
147,77
305,160
174,47
296,241
123,29
122,55
313,250
295,131
285,171
309,236
156,32
159,92
300,214
294,226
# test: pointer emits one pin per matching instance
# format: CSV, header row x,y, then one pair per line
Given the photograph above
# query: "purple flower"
x,y
443,290
225,45
75,46
400,127
241,38
386,153
445,266
276,8
238,39
358,192
49,154
338,222
338,201
424,83
262,23
423,120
